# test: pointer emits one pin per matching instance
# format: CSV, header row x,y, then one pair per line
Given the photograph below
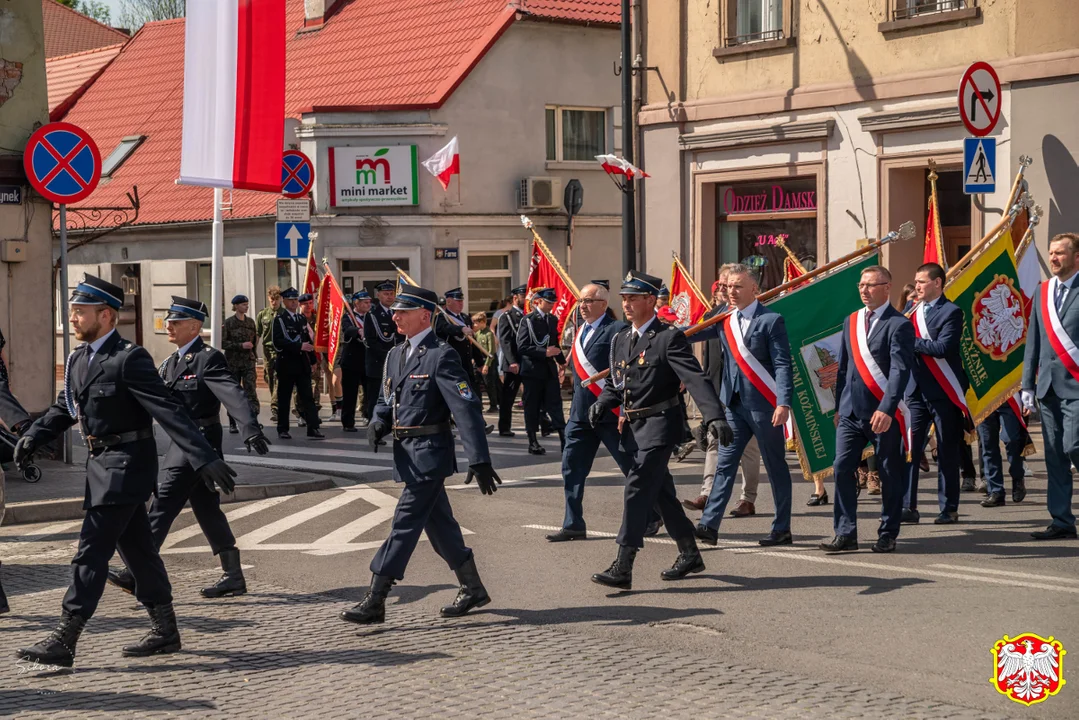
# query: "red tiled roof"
x,y
67,31
587,11
369,54
68,75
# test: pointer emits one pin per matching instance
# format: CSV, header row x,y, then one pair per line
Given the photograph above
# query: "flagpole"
x,y
550,257
1024,201
217,258
1028,236
412,282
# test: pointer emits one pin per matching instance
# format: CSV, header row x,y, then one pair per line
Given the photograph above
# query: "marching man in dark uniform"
x,y
295,358
112,390
352,358
202,382
17,419
542,365
875,359
238,339
455,327
648,363
509,361
424,386
380,337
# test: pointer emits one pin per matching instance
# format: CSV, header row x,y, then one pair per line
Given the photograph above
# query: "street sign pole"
x,y
65,321
218,249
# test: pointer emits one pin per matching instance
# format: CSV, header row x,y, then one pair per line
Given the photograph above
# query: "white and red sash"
x,y
752,368
871,374
584,368
1054,330
1015,402
939,367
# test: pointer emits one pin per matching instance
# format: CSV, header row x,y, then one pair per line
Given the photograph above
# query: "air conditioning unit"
x,y
539,192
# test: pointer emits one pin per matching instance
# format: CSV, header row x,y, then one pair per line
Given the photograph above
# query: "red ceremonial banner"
x,y
331,308
310,275
687,301
546,272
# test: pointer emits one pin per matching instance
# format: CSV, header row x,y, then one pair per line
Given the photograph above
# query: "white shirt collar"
x,y
596,323
416,339
386,307
1069,282
541,313
876,313
183,351
934,303
750,310
640,330
96,344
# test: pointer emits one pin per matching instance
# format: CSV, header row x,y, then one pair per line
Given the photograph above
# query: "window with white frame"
x,y
754,21
203,292
576,134
489,278
904,9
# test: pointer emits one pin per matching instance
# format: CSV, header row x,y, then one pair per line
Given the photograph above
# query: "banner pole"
x,y
410,281
217,252
65,318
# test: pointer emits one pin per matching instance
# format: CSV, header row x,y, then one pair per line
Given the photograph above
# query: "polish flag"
x,y
618,166
234,94
445,163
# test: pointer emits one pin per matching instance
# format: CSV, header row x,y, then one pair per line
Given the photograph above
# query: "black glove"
x,y
595,414
24,451
259,443
486,477
375,432
700,434
220,474
721,431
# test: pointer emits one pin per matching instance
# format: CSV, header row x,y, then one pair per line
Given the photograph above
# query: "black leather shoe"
x,y
163,638
884,544
122,579
967,485
1055,532
315,434
815,499
506,433
565,535
59,647
372,609
488,429
706,535
233,430
653,528
689,560
232,581
774,538
350,429
284,436
946,518
1019,490
993,500
620,573
471,595
910,517
840,543
534,448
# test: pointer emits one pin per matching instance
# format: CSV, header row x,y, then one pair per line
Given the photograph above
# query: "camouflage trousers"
x,y
245,376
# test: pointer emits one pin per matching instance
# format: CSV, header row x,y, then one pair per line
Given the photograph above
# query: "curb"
x,y
40,511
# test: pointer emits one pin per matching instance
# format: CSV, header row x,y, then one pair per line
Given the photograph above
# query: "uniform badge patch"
x,y
464,390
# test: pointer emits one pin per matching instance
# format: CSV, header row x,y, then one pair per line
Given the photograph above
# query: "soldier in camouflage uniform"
x,y
263,326
238,340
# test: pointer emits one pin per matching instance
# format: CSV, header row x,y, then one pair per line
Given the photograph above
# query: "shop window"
x,y
754,217
575,134
755,21
489,278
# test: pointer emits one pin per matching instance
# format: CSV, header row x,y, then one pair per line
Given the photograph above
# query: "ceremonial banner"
x,y
994,326
331,308
546,272
310,276
687,301
934,237
792,268
814,315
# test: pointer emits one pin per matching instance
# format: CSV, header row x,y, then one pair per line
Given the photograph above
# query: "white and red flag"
x,y
445,163
614,165
234,94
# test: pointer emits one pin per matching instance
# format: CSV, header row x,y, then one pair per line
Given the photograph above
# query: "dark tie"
x,y
868,319
82,368
633,338
930,307
584,334
1061,289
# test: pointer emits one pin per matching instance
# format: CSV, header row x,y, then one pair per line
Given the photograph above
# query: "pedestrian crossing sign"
x,y
979,165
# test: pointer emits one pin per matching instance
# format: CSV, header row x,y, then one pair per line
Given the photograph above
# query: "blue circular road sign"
x,y
297,174
62,162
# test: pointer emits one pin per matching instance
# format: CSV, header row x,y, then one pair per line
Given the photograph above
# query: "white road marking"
x,y
253,538
1007,573
593,474
472,485
50,530
194,529
343,535
328,450
301,464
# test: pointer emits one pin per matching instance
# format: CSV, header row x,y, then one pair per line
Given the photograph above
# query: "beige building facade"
x,y
817,121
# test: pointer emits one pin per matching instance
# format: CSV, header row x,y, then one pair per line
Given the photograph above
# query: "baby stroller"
x,y
31,473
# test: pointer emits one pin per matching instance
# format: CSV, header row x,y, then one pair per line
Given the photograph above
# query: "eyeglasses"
x,y
589,301
866,286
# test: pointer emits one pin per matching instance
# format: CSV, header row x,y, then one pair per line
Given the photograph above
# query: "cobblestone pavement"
x,y
283,653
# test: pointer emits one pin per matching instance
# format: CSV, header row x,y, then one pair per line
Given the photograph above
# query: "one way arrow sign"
x,y
293,240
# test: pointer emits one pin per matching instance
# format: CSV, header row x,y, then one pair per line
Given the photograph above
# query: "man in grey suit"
x,y
1053,378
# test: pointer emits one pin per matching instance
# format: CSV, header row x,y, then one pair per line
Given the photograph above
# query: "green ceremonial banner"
x,y
814,317
994,326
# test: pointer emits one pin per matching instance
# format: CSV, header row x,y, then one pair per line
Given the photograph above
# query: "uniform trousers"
x,y
582,443
947,421
106,529
511,383
423,506
351,382
301,382
852,435
543,395
1002,422
751,425
372,386
649,485
1060,431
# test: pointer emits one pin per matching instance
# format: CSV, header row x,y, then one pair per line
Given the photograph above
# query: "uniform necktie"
x,y
1061,289
633,338
930,307
868,319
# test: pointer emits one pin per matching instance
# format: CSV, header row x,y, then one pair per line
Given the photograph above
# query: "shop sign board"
x,y
372,176
768,200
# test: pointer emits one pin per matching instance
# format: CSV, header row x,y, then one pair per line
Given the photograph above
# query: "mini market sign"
x,y
366,176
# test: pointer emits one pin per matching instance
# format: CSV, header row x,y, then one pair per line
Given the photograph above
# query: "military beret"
x,y
95,291
307,297
239,299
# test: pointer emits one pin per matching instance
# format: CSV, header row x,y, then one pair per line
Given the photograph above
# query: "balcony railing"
x,y
763,36
906,9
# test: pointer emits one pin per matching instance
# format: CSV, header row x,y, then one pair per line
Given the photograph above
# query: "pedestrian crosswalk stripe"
x,y
304,464
253,538
178,536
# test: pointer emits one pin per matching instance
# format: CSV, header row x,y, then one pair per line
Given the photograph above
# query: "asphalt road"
x,y
916,625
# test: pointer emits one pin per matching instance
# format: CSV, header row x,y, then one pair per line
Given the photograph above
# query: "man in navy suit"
x,y
1054,380
870,387
932,400
590,354
756,391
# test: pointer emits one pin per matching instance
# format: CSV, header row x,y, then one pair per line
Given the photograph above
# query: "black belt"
x,y
107,441
208,422
402,432
642,413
